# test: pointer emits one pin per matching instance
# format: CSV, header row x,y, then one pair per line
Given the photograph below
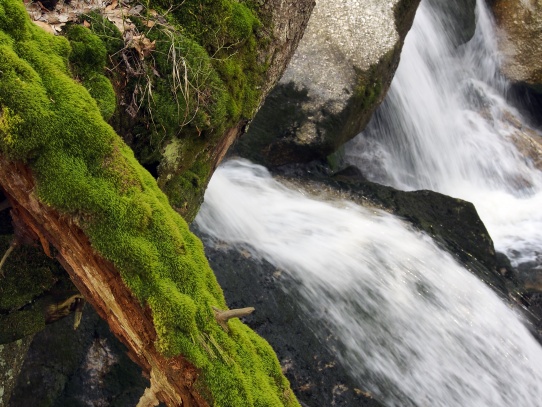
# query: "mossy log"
x,y
76,186
103,287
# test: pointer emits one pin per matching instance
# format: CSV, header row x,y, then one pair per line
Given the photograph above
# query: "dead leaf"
x,y
142,45
45,26
149,23
122,23
86,23
112,6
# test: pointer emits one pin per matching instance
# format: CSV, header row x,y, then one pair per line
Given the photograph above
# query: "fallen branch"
x,y
222,317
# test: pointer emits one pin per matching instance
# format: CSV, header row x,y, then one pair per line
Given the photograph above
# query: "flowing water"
x,y
415,328
446,126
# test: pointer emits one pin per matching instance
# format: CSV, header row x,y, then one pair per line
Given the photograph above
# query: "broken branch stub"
x,y
223,316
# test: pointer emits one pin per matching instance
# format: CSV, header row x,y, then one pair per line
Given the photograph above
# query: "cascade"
x,y
445,126
414,327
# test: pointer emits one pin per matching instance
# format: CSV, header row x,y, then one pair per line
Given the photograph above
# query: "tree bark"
x,y
100,283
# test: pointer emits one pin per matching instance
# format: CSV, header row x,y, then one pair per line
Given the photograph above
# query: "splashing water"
x,y
414,327
446,126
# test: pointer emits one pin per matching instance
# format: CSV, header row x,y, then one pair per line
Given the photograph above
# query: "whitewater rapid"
x,y
415,328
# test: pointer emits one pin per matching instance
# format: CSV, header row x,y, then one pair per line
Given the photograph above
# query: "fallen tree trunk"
x,y
73,184
101,284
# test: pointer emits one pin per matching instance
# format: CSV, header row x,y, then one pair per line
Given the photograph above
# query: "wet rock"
x,y
339,74
519,39
453,223
11,360
86,367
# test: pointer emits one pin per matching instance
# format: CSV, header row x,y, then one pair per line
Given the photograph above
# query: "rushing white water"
x,y
446,126
415,328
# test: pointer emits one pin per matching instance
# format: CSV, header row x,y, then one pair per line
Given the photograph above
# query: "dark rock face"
x,y
86,367
338,76
11,360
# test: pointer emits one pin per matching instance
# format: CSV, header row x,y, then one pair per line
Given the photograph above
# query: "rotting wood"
x,y
101,285
149,398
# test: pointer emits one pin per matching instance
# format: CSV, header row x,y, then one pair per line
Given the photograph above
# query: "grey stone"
x,y
339,74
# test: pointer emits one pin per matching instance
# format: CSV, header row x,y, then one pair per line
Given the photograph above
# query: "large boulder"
x,y
519,39
338,76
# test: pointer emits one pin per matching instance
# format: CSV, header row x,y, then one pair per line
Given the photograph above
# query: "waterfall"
x,y
414,327
445,125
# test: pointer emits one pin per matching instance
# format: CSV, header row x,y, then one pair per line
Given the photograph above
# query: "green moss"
x,y
20,324
83,169
185,189
87,60
28,272
203,78
106,30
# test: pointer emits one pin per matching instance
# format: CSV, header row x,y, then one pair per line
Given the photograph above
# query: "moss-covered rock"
x,y
210,66
84,170
339,75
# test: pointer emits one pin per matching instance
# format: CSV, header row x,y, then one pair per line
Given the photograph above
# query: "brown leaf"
x,y
86,23
149,23
142,45
112,6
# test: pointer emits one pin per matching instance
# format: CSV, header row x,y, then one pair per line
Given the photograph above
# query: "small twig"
x,y
6,255
222,317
